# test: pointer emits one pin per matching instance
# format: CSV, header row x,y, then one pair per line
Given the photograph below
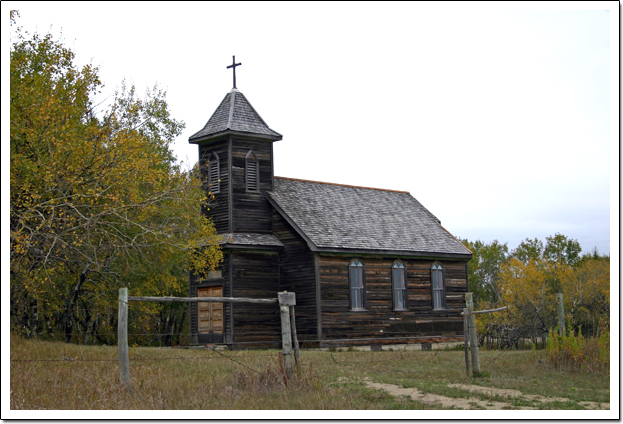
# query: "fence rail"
x,y
486,311
202,299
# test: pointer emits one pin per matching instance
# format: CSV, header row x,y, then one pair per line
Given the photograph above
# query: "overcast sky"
x,y
503,123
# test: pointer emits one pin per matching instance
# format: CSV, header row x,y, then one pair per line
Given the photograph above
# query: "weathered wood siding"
x,y
219,207
256,275
297,274
379,323
251,210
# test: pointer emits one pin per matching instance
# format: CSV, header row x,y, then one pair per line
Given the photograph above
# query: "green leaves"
x,y
484,267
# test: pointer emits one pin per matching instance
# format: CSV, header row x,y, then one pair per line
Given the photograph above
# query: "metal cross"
x,y
233,65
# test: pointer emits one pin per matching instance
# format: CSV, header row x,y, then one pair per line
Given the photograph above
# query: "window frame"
x,y
399,266
251,160
356,264
437,269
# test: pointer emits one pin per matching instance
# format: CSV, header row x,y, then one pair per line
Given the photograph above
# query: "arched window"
x,y
355,280
399,286
214,174
252,172
439,291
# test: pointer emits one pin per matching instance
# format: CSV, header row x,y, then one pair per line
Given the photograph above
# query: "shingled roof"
x,y
333,218
235,115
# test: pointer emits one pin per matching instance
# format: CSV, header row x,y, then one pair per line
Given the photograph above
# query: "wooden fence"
x,y
285,300
470,336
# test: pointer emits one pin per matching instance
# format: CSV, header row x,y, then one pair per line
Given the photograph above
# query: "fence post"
x,y
473,337
561,315
122,338
295,339
285,301
466,341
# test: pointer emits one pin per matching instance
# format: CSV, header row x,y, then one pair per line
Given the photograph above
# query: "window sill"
x,y
358,310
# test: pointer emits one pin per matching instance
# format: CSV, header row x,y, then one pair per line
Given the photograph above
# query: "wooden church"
x,y
368,266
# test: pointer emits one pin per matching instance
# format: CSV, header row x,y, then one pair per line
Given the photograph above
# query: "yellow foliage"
x,y
97,198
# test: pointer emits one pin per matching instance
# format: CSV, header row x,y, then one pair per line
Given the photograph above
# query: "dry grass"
x,y
87,378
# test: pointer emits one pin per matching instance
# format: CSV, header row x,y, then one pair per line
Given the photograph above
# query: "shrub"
x,y
574,352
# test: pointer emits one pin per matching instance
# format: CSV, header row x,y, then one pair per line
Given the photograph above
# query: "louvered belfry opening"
x,y
210,171
214,174
252,172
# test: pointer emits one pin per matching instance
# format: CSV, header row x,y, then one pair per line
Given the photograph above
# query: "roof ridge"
x,y
343,185
232,103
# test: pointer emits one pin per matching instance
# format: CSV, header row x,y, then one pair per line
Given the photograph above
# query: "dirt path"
x,y
491,391
472,403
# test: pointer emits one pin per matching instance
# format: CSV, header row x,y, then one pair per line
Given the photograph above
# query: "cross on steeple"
x,y
233,66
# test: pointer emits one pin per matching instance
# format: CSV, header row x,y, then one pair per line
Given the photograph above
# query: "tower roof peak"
x,y
235,115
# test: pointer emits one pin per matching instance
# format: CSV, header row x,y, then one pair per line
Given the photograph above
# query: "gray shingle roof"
x,y
337,217
235,114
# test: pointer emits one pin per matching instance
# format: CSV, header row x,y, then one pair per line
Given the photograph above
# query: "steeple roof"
x,y
235,115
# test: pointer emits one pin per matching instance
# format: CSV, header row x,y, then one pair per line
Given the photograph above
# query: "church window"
x,y
399,286
439,292
355,279
252,172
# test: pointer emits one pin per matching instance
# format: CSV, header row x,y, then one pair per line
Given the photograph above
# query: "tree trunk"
x,y
180,326
71,302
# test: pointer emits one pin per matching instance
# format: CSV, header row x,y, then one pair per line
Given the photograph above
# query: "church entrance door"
x,y
210,315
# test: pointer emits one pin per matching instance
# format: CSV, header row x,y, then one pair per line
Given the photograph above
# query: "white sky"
x,y
503,123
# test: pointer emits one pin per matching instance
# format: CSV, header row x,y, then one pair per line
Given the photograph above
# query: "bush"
x,y
574,352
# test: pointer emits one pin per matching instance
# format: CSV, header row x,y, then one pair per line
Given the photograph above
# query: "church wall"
x,y
379,323
255,274
251,211
219,207
297,274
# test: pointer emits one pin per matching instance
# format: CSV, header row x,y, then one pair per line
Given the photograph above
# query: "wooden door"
x,y
210,313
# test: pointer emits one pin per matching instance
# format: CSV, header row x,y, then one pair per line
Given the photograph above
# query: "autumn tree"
x,y
97,200
586,294
531,301
529,281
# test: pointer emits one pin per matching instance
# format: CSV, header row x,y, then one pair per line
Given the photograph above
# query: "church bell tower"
x,y
236,167
236,162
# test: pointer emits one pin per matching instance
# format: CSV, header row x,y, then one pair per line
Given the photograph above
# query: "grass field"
x,y
59,376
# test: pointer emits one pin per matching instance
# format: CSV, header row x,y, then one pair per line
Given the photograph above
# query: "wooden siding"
x,y
379,322
255,274
297,274
251,211
219,207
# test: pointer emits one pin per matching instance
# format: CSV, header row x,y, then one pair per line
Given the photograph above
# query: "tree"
x,y
562,250
97,200
530,299
586,294
529,249
483,269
